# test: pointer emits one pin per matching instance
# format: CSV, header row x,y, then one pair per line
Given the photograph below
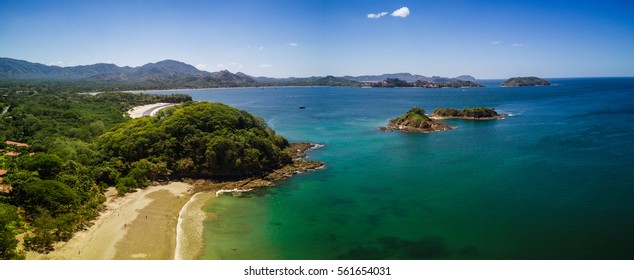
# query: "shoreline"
x,y
170,214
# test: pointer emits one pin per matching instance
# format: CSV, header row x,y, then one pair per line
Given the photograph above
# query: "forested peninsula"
x,y
60,151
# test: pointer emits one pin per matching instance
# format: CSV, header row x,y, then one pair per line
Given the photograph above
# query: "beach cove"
x,y
550,181
164,220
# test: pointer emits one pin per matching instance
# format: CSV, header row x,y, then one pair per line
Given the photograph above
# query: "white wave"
x,y
316,146
179,229
218,192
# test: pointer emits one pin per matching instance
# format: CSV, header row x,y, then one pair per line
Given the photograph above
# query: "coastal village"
x,y
13,149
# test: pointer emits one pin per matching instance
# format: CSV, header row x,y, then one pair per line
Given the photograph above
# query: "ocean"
x,y
554,180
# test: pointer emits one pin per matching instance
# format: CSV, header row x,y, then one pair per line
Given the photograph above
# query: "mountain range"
x,y
176,74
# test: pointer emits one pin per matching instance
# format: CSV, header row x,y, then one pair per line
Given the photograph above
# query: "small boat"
x,y
302,107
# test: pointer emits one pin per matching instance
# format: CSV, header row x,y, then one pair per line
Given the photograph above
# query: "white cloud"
x,y
261,48
58,63
265,65
220,65
517,45
375,16
402,12
293,44
496,42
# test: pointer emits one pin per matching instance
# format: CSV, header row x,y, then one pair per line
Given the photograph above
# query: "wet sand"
x,y
189,230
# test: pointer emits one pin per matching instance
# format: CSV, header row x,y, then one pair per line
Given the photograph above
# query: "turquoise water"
x,y
555,180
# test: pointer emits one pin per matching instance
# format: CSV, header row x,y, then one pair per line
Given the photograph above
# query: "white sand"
x,y
148,110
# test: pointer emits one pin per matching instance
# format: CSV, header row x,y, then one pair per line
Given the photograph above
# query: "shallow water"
x,y
551,181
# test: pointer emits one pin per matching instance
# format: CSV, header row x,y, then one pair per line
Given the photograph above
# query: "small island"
x,y
416,121
473,113
525,82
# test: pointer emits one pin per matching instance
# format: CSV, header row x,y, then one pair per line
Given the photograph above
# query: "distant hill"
x,y
309,81
525,82
409,78
441,83
163,74
171,74
13,69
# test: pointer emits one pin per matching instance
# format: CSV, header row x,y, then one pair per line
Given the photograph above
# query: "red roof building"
x,y
17,144
5,188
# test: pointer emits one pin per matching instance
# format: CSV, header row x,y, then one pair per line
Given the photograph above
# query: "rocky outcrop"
x,y
416,121
297,151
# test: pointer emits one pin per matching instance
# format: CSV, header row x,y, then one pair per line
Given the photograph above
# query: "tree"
x,y
46,165
51,195
10,221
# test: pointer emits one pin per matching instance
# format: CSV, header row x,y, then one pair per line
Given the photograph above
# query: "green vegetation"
x,y
415,116
10,224
525,82
473,112
416,121
193,140
58,180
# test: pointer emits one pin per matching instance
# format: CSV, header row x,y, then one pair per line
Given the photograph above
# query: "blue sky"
x,y
486,39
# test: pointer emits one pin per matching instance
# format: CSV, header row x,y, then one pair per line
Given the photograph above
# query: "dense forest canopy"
x,y
199,139
473,112
56,173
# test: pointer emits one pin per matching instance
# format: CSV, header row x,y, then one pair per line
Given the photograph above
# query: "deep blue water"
x,y
555,180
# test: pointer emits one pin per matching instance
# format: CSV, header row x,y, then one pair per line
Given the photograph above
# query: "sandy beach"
x,y
148,110
140,225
